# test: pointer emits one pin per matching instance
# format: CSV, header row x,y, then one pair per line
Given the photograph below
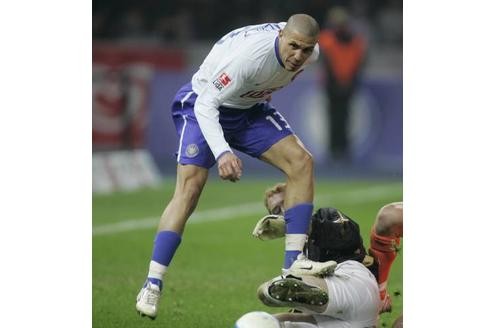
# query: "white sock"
x,y
157,270
295,242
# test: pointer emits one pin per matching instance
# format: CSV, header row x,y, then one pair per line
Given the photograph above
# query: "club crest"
x,y
192,150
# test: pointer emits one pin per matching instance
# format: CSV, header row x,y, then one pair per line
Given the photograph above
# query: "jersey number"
x,y
271,119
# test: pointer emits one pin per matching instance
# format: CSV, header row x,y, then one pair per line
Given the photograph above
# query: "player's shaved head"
x,y
303,24
297,41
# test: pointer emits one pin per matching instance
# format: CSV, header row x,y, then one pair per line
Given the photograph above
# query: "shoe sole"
x,y
293,292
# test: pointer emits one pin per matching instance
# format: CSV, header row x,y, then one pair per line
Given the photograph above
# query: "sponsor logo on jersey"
x,y
192,150
260,93
222,81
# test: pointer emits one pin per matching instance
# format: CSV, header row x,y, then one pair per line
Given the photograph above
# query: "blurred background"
x,y
347,108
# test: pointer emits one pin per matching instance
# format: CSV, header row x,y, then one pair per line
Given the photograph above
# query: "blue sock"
x,y
297,219
166,243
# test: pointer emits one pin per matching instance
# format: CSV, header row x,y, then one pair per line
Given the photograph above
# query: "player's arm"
x,y
224,82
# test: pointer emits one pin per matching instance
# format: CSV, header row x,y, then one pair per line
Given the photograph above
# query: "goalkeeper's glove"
x,y
270,227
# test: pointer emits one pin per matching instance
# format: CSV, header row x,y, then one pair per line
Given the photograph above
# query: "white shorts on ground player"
x,y
335,323
354,300
289,324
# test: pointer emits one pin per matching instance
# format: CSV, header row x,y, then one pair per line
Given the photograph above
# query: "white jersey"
x,y
354,299
241,70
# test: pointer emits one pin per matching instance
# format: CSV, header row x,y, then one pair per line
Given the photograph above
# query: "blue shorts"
x,y
251,131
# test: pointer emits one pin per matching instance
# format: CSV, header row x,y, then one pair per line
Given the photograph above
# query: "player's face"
x,y
295,48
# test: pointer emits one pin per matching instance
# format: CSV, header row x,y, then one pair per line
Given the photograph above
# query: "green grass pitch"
x,y
213,278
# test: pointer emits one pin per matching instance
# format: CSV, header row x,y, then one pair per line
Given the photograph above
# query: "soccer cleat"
x,y
147,300
305,267
291,292
263,294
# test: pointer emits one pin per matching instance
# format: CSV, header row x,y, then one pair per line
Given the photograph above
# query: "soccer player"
x,y
384,239
225,107
384,243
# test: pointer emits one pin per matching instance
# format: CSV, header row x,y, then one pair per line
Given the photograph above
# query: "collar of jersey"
x,y
277,53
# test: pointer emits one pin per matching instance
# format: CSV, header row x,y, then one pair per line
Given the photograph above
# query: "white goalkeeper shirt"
x,y
354,299
242,69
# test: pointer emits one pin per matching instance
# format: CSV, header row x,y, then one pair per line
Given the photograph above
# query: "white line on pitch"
x,y
253,208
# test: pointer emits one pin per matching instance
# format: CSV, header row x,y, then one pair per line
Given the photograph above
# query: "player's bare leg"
x,y
385,239
290,156
190,182
189,185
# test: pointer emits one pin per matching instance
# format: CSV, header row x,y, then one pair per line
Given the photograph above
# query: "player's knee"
x,y
190,195
189,191
301,164
389,220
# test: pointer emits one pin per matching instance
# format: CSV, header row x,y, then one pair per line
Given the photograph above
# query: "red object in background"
x,y
117,55
121,76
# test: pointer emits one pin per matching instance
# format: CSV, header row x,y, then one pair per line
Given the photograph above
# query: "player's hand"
x,y
270,227
229,167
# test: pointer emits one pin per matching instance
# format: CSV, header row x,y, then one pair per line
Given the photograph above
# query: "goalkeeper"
x,y
334,236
